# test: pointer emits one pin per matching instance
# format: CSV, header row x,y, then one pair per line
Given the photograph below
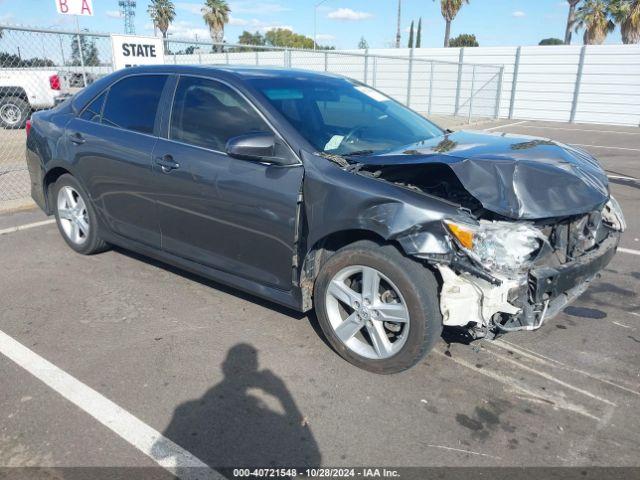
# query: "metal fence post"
x,y
459,83
576,89
257,58
514,83
374,74
81,55
499,93
473,85
226,56
288,58
430,87
409,77
366,64
326,62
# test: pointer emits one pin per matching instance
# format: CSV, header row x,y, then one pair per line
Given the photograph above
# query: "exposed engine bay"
x,y
505,274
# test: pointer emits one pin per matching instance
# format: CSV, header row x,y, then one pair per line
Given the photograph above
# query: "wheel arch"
x,y
49,179
324,248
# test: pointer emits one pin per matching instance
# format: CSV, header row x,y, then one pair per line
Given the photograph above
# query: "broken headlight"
x,y
507,248
613,216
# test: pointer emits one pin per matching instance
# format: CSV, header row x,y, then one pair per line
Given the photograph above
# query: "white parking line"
x,y
629,250
152,443
27,226
607,147
505,125
534,126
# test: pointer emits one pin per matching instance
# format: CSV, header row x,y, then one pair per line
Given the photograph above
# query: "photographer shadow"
x,y
249,419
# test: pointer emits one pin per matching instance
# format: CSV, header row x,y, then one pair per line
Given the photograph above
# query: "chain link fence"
x,y
40,67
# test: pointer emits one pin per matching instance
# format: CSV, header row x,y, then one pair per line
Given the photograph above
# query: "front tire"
x,y
75,216
377,308
14,112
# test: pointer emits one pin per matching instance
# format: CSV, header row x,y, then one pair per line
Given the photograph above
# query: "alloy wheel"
x,y
10,113
74,218
367,312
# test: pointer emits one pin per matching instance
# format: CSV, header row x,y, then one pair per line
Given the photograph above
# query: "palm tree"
x,y
595,17
450,9
162,13
571,20
216,14
627,14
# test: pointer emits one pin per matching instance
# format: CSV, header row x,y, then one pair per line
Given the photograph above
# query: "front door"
x,y
234,215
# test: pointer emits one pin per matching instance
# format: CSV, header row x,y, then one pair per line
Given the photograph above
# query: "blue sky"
x,y
341,23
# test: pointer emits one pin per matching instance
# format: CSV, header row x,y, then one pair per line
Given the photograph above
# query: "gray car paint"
x,y
264,234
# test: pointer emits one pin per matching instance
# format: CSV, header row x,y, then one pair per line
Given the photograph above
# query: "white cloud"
x,y
518,13
258,8
195,8
348,14
238,22
113,14
6,18
325,37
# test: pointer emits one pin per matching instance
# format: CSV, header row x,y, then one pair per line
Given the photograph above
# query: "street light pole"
x,y
315,22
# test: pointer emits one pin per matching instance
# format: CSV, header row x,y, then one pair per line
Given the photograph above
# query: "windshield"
x,y
341,117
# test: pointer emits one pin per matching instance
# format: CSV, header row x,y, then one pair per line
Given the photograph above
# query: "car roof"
x,y
244,72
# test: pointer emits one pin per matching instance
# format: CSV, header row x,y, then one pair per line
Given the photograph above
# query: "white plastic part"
x,y
465,299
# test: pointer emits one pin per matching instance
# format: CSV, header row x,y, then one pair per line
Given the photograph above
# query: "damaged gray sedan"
x,y
318,192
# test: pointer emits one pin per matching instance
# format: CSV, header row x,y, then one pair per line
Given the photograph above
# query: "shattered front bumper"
x,y
509,306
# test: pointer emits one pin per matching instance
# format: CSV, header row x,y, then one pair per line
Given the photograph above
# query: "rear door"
x,y
234,215
111,143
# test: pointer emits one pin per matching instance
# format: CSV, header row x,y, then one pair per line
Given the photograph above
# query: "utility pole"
x,y
128,12
315,22
398,31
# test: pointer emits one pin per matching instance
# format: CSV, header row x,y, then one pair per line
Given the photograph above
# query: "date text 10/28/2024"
x,y
316,473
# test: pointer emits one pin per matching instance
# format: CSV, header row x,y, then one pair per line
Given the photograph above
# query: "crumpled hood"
x,y
519,177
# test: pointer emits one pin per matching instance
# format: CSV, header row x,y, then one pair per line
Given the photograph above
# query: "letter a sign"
x,y
75,7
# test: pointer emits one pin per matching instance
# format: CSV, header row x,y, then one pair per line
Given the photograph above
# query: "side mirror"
x,y
258,146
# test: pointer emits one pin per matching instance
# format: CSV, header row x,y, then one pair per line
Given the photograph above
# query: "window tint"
x,y
207,114
132,103
342,117
93,111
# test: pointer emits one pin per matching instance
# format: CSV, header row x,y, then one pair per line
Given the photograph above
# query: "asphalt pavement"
x,y
117,360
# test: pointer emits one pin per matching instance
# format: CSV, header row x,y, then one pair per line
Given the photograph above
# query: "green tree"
x,y
450,9
410,44
571,20
362,44
551,41
627,14
282,37
419,34
216,15
464,40
162,13
89,51
248,38
594,16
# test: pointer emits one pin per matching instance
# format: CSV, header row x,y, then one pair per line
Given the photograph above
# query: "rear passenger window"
x,y
93,111
132,103
207,114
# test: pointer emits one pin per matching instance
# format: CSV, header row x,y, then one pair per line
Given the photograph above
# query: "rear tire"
x,y
14,112
75,216
404,290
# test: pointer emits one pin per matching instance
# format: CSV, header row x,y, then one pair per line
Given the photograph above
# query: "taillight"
x,y
54,82
28,127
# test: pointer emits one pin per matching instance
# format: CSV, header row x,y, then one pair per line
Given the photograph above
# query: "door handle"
x,y
77,138
167,163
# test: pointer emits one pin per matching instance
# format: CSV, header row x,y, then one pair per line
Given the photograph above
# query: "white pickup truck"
x,y
22,91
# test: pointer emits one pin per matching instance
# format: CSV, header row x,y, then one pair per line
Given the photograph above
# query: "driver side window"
x,y
207,114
